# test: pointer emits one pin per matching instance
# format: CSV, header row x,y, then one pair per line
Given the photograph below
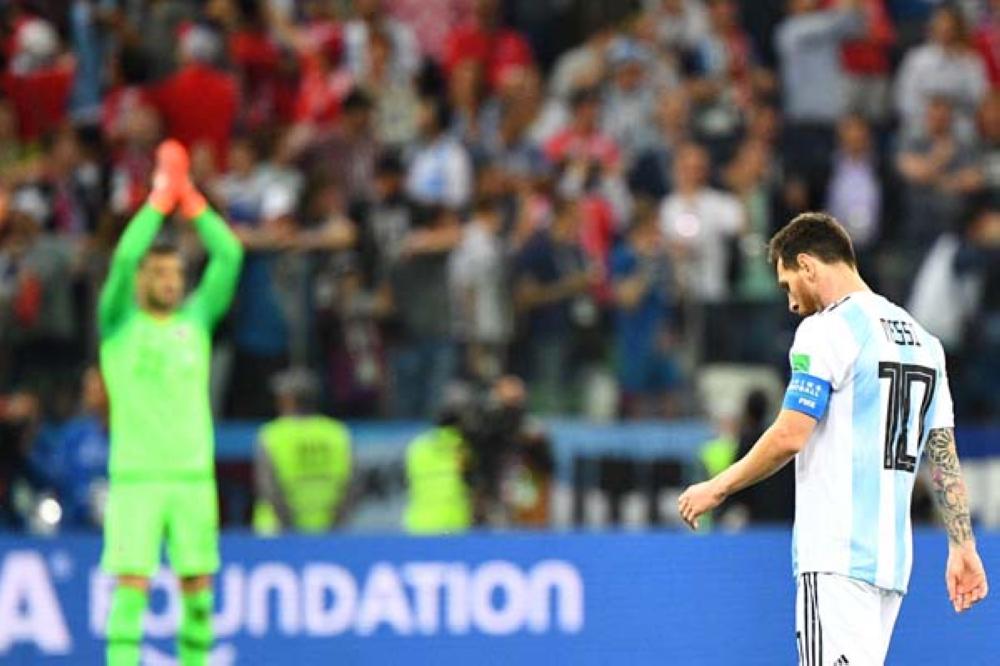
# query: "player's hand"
x,y
965,577
698,499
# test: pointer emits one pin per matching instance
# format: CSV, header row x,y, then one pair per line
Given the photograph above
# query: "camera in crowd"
x,y
510,466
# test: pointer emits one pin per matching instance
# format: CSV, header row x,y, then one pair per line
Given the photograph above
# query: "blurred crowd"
x,y
578,193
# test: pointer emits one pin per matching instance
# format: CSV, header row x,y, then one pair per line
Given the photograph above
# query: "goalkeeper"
x,y
155,349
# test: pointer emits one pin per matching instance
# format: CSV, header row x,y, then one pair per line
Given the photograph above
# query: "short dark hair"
x,y
357,100
162,247
818,234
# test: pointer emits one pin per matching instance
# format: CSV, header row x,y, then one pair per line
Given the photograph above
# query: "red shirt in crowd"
x,y
496,52
40,99
987,41
868,55
258,61
570,144
199,104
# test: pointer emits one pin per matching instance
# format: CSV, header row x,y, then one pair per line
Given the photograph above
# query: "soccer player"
x,y
867,397
155,348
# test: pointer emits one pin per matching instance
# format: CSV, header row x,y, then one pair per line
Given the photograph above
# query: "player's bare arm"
x,y
778,445
965,576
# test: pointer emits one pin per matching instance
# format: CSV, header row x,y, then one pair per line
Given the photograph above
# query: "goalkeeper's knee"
x,y
125,625
194,640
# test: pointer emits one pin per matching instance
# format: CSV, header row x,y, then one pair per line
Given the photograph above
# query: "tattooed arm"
x,y
949,489
965,576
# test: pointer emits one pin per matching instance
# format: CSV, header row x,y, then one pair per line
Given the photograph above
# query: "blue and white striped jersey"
x,y
875,380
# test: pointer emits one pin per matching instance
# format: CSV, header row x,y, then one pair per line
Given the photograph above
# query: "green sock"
x,y
125,625
194,640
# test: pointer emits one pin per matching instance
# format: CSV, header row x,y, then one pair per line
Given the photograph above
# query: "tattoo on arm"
x,y
949,489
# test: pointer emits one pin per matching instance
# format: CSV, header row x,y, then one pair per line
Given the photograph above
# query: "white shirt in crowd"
x,y
441,173
929,71
702,224
479,285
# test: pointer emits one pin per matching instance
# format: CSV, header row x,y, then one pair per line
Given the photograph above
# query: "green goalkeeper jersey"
x,y
157,369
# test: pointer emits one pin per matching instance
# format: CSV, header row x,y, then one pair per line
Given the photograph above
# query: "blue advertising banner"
x,y
515,598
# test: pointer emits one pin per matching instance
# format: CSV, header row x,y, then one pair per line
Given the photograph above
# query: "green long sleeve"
x,y
225,255
117,299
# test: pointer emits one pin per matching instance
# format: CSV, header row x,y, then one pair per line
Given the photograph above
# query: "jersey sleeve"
x,y
225,255
817,368
117,298
943,412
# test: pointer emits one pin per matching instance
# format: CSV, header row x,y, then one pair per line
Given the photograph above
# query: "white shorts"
x,y
841,621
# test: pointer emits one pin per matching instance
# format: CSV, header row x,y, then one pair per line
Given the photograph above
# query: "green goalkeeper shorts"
x,y
141,514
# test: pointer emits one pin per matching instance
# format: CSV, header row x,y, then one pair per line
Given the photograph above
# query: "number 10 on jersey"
x,y
902,377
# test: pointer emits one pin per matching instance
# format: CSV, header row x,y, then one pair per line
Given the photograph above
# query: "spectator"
x,y
371,16
349,339
73,181
323,84
989,142
495,49
551,294
465,98
385,221
199,103
345,154
432,21
979,261
809,42
38,79
651,176
728,77
939,169
943,66
987,41
867,64
680,24
582,140
424,358
751,178
258,60
952,294
699,222
854,192
302,466
128,93
73,458
36,304
440,172
645,321
268,290
155,25
630,99
479,284
392,92
584,66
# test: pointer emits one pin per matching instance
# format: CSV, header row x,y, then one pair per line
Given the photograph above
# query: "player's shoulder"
x,y
828,324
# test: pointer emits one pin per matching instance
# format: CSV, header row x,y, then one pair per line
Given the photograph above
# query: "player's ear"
x,y
806,265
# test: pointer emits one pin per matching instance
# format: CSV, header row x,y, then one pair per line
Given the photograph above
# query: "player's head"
x,y
805,253
160,282
296,391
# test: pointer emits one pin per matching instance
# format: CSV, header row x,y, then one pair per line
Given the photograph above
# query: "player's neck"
x,y
160,314
841,282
